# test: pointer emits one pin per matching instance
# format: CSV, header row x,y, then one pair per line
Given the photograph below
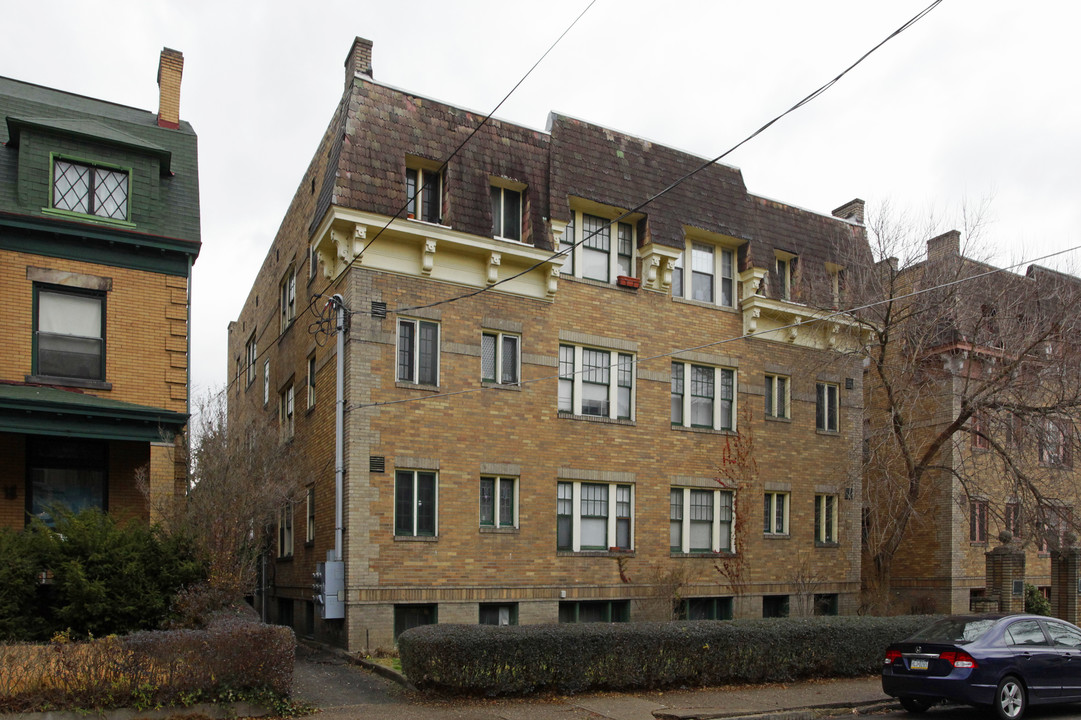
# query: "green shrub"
x,y
486,660
1035,602
104,577
232,659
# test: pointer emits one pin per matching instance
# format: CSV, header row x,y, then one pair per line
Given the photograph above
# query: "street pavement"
x,y
345,691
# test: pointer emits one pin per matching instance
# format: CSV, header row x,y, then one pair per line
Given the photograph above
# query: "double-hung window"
x,y
712,274
1053,446
1012,518
977,521
825,519
776,396
499,362
266,382
506,213
775,513
594,516
700,520
285,531
90,189
287,298
309,502
596,382
311,382
418,351
597,248
415,502
826,402
69,333
287,412
498,502
703,396
251,355
424,193
785,274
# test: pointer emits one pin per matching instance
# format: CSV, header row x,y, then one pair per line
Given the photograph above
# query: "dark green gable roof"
x,y
39,123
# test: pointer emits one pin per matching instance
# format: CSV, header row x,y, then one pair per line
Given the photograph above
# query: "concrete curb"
x,y
812,712
379,669
215,711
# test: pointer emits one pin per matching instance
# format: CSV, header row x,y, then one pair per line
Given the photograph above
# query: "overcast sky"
x,y
979,99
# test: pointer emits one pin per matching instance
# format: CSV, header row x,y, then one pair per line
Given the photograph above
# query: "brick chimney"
x,y
851,210
170,69
948,244
359,60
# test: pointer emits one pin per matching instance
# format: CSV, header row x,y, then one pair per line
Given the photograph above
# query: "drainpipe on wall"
x,y
339,426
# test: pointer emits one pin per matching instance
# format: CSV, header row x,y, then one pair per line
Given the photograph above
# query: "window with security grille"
x,y
497,502
499,358
90,190
776,396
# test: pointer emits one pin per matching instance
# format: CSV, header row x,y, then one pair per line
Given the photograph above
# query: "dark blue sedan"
x,y
1002,661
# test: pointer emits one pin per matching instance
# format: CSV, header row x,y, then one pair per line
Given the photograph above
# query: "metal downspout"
x,y
339,426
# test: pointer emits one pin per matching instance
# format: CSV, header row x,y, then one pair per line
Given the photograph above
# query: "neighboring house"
x,y
988,363
99,227
586,438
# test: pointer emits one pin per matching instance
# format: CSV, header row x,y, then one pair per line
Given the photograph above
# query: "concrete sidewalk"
x,y
791,701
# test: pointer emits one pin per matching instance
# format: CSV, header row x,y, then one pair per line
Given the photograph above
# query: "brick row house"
x,y
990,364
99,228
662,421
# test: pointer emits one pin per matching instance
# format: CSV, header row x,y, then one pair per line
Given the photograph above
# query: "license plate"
x,y
918,664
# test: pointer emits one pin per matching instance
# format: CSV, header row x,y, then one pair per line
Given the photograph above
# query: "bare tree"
x,y
239,480
973,384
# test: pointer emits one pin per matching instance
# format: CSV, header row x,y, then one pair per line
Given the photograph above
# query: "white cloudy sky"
x,y
980,99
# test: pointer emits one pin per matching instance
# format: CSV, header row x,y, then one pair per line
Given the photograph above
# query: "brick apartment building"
x,y
580,438
994,357
99,227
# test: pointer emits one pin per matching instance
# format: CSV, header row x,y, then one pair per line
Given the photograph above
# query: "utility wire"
x,y
745,336
814,94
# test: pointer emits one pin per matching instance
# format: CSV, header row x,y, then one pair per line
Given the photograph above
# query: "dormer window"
x,y
506,213
424,191
90,189
786,274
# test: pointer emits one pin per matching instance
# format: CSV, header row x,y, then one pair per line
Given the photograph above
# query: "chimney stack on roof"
x,y
359,60
170,70
948,244
851,210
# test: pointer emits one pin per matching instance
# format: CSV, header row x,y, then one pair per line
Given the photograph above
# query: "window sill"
x,y
777,418
595,553
416,538
489,530
84,217
708,431
285,558
285,330
415,386
513,387
828,433
704,304
428,223
590,281
977,543
564,415
309,543
69,382
511,240
830,544
711,555
776,536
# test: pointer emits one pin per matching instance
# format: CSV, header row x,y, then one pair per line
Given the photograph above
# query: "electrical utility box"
x,y
328,588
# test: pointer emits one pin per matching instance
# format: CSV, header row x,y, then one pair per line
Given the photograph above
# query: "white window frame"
x,y
285,530
721,530
723,273
251,356
719,416
498,520
310,383
313,262
785,271
612,518
621,258
287,412
414,369
266,382
826,518
773,501
574,379
777,397
1052,445
287,298
499,224
309,514
500,339
416,177
826,421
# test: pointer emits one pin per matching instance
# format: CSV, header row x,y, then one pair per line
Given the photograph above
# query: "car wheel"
x,y
915,704
1010,699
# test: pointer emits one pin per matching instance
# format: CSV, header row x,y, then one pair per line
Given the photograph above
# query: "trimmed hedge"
x,y
234,658
487,660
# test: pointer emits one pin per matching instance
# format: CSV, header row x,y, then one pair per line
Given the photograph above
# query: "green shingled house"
x,y
99,228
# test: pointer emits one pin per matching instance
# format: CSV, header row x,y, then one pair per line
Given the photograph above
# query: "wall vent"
x,y
379,309
377,464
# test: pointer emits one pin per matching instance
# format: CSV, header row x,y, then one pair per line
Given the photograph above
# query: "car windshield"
x,y
954,630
